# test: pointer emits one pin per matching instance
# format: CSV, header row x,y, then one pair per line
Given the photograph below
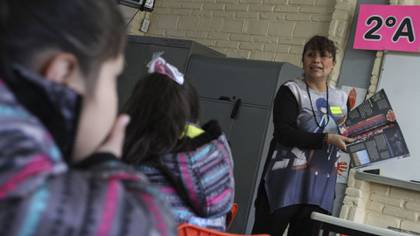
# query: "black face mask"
x,y
56,106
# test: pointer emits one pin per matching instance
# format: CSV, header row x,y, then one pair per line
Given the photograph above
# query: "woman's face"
x,y
99,109
316,65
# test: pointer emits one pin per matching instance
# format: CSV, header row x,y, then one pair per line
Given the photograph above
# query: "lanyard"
x,y
312,108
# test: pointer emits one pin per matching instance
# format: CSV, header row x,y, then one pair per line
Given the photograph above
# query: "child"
x,y
191,166
59,144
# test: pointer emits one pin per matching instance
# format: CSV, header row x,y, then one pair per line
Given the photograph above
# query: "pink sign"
x,y
386,27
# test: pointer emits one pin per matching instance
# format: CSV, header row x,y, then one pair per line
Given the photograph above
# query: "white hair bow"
x,y
159,65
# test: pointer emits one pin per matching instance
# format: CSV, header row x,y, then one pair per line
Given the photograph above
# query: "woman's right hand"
x,y
338,140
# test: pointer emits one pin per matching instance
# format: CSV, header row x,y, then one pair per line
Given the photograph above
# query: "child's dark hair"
x,y
322,45
160,110
92,30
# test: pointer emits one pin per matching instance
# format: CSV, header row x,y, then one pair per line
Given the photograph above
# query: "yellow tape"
x,y
193,131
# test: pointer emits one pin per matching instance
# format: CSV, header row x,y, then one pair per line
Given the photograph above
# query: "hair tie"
x,y
160,66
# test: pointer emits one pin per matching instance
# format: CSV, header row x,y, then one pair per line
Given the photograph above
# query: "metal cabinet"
x,y
139,52
239,93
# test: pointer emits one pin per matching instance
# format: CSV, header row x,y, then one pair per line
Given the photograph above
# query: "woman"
x,y
300,172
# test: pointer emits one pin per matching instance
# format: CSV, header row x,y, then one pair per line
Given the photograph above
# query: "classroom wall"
x,y
404,2
272,30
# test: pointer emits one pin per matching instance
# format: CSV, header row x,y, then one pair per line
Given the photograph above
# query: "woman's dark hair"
x,y
159,109
92,30
322,45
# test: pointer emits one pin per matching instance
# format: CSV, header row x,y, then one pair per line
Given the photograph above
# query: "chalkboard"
x,y
400,77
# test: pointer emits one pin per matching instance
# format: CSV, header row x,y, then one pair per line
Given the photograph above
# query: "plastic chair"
x,y
192,230
232,214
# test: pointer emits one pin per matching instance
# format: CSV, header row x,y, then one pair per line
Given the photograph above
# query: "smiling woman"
x,y
301,169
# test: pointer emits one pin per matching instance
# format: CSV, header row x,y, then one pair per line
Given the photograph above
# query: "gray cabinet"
x,y
239,93
139,51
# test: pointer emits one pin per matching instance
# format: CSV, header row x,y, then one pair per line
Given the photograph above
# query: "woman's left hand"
x,y
341,167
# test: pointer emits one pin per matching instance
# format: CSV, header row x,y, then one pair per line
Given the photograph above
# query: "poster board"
x,y
375,130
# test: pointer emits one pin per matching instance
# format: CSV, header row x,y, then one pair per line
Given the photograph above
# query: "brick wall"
x,y
405,2
381,205
273,30
339,31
